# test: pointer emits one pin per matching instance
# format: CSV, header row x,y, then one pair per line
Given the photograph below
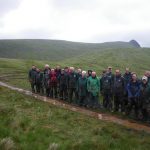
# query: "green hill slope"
x,y
53,49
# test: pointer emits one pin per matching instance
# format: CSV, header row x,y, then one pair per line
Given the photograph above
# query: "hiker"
x,y
101,80
53,83
109,73
147,74
32,77
106,90
133,88
89,73
62,79
46,79
79,75
111,76
39,82
118,91
145,98
82,89
127,77
58,72
72,82
93,87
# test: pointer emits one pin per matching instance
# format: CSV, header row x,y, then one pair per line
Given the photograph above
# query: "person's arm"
x,y
138,90
88,85
98,84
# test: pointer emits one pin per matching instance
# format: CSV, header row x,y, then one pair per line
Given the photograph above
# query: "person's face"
x,y
66,70
37,70
46,67
109,69
134,77
52,71
71,70
90,73
83,75
144,81
127,70
58,67
33,67
117,73
79,71
93,74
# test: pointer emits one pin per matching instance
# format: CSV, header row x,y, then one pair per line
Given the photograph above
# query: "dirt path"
x,y
100,116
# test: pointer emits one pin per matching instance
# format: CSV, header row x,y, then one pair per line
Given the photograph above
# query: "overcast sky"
x,y
76,20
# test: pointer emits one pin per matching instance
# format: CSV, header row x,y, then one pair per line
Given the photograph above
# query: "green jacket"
x,y
93,85
82,86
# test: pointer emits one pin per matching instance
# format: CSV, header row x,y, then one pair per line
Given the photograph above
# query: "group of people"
x,y
120,92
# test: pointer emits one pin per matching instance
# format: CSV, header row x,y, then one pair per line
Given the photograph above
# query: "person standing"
x,y
118,91
133,88
32,77
145,99
46,79
82,89
93,87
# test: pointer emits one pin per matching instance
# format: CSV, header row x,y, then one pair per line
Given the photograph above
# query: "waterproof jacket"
x,y
145,91
46,78
63,78
93,85
127,78
82,86
53,79
133,89
118,84
72,80
32,75
106,83
39,78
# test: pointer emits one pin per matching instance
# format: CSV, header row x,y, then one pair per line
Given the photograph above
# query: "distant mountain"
x,y
55,49
135,43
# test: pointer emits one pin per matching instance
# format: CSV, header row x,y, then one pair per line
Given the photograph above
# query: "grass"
x,y
52,49
137,59
26,123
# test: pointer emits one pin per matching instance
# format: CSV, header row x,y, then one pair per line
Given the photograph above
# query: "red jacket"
x,y
53,79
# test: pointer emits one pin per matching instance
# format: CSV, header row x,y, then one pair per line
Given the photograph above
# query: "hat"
x,y
144,78
109,67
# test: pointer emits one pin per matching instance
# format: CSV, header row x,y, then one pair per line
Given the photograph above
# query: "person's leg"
x,y
130,105
90,100
144,114
97,105
105,100
33,87
65,93
110,105
121,102
80,100
136,108
61,92
55,91
116,105
70,95
38,88
51,91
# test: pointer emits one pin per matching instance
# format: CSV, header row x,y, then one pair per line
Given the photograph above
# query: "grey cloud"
x,y
8,5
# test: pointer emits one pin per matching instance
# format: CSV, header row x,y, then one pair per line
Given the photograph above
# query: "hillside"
x,y
53,49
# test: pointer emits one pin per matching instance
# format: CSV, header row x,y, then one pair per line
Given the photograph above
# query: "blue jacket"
x,y
133,89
